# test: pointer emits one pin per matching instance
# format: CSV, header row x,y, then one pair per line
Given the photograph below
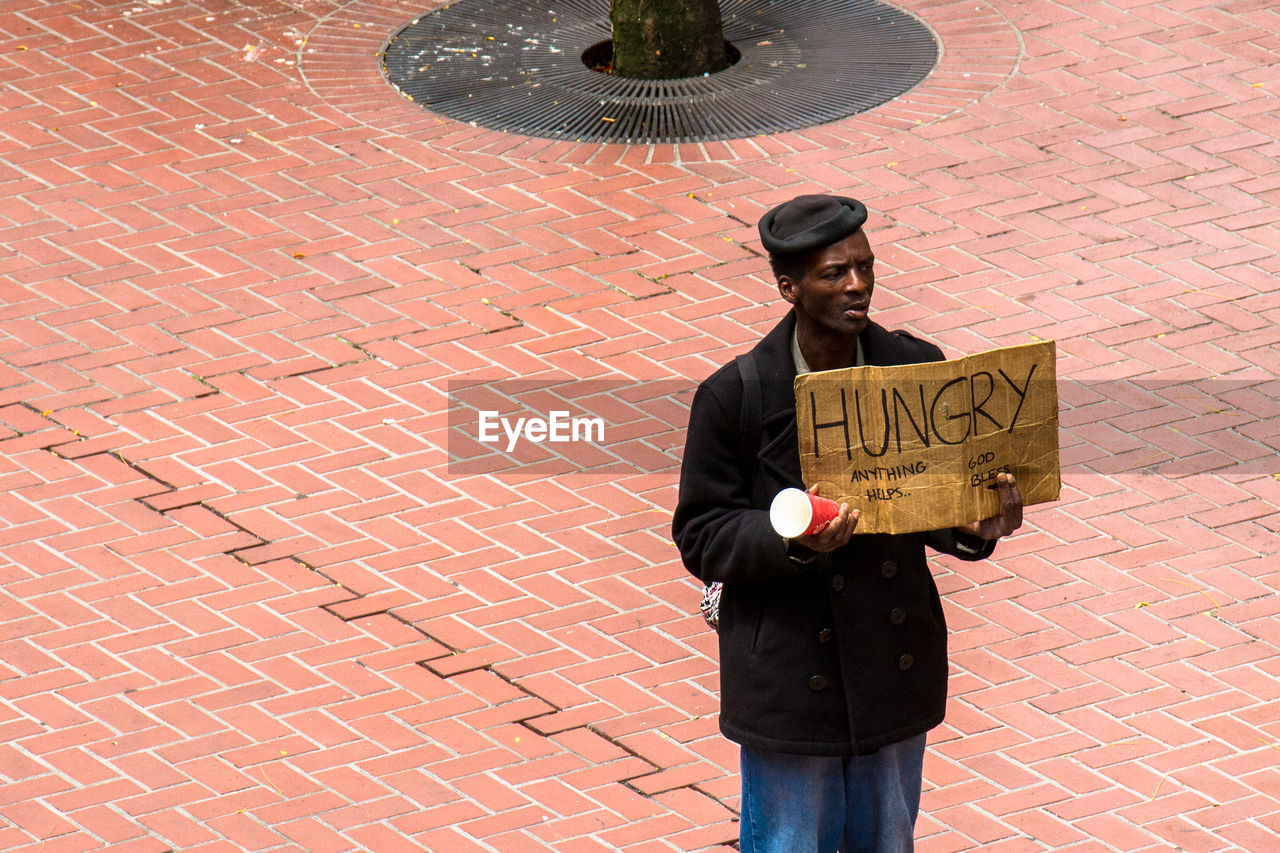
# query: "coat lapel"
x,y
882,347
778,455
779,461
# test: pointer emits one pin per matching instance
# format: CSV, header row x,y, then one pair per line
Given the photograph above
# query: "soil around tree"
x,y
599,57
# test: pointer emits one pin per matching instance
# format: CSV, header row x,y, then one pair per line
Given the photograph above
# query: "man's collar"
x,y
802,366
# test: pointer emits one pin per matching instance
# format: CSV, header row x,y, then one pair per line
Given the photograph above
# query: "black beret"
x,y
809,222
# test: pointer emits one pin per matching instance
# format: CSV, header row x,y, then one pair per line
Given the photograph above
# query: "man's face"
x,y
834,294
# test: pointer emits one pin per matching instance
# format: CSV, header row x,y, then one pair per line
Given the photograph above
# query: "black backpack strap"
x,y
752,416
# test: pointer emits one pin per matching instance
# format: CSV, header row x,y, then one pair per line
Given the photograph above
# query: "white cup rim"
x,y
790,513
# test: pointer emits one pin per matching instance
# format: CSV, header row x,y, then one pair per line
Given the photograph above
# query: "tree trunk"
x,y
664,39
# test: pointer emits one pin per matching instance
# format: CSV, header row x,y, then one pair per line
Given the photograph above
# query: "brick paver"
x,y
249,603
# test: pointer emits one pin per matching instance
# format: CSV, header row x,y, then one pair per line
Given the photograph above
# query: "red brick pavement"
x,y
249,604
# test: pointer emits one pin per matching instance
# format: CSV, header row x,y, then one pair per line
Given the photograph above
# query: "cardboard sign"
x,y
918,447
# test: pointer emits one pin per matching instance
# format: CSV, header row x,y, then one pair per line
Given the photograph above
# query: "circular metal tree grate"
x,y
517,67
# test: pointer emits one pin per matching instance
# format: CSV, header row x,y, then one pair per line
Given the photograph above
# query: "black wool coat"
x,y
820,654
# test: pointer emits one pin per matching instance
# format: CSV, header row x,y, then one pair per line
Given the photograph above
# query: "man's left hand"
x,y
1010,517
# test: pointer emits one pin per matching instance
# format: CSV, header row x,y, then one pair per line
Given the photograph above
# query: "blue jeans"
x,y
821,804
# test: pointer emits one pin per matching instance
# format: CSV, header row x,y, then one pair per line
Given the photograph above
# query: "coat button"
x,y
905,662
898,615
888,569
837,582
818,683
825,635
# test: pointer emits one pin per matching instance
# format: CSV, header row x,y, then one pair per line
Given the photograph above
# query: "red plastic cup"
x,y
795,512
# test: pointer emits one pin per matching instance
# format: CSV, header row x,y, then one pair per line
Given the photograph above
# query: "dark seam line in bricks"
x,y
525,722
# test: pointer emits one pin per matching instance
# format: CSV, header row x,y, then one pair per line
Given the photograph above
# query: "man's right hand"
x,y
835,534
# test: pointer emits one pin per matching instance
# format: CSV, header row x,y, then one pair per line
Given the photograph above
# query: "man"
x,y
832,647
